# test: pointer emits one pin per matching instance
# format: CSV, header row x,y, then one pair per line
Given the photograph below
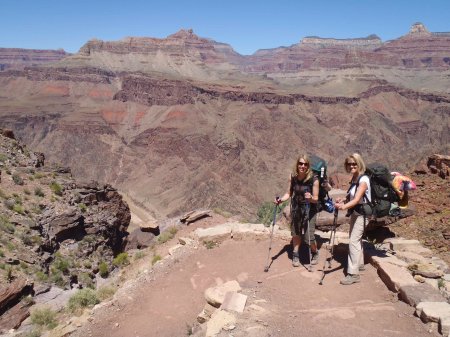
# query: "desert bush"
x,y
105,292
82,207
17,179
56,188
139,255
26,191
39,175
60,264
82,299
3,157
121,260
19,209
44,317
265,212
103,269
156,258
6,226
173,230
210,244
165,236
3,195
222,212
86,280
38,192
41,276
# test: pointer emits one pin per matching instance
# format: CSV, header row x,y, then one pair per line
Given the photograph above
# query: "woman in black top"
x,y
304,193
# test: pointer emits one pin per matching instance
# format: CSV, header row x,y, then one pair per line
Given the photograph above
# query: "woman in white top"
x,y
358,195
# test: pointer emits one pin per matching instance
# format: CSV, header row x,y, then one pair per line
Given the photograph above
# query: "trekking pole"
x,y
331,250
309,236
266,268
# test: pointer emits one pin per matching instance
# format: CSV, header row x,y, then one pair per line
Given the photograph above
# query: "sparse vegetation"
x,y
103,269
18,209
139,255
6,226
9,274
156,258
44,317
56,188
265,212
82,299
165,236
222,212
17,179
441,283
38,192
210,244
105,292
121,260
173,230
83,207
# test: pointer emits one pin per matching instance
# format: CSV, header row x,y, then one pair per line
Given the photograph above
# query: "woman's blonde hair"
x,y
309,172
358,160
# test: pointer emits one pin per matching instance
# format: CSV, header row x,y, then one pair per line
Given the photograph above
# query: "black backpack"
x,y
382,192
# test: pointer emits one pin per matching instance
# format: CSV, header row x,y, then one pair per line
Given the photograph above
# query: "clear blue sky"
x,y
246,25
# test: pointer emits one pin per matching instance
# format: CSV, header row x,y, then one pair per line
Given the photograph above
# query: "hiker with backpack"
x,y
358,196
304,193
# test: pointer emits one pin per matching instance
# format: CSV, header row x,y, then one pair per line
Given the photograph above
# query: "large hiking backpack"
x,y
319,168
383,194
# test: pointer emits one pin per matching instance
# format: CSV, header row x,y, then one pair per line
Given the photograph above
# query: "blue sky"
x,y
246,25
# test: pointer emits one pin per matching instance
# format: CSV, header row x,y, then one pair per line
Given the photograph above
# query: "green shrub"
x,y
3,195
39,175
19,209
156,258
38,192
44,317
6,226
83,207
210,244
173,230
58,279
82,299
165,236
41,276
103,269
2,253
17,179
139,255
121,260
9,273
61,264
105,292
3,157
33,333
86,280
56,188
265,212
26,191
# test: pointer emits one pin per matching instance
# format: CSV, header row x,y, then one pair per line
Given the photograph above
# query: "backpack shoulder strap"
x,y
357,185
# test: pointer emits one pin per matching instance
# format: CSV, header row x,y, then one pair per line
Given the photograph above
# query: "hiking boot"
x,y
315,258
362,267
295,261
350,279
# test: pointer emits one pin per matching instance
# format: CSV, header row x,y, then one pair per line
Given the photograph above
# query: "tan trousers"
x,y
355,246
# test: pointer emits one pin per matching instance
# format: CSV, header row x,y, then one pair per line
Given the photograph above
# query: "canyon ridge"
x,y
186,122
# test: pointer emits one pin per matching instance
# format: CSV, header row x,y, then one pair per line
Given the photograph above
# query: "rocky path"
x,y
166,299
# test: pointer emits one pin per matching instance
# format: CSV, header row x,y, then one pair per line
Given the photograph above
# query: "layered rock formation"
x,y
17,58
185,122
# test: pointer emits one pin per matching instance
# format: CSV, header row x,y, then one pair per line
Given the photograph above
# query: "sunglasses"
x,y
302,164
352,164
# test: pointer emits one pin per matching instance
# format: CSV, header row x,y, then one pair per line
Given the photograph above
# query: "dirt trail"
x,y
289,301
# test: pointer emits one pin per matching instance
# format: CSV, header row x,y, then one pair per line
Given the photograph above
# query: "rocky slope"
x,y
185,122
53,230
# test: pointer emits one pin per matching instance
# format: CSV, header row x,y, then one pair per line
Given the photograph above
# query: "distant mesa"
x,y
419,28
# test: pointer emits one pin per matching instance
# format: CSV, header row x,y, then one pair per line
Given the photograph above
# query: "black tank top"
x,y
298,190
